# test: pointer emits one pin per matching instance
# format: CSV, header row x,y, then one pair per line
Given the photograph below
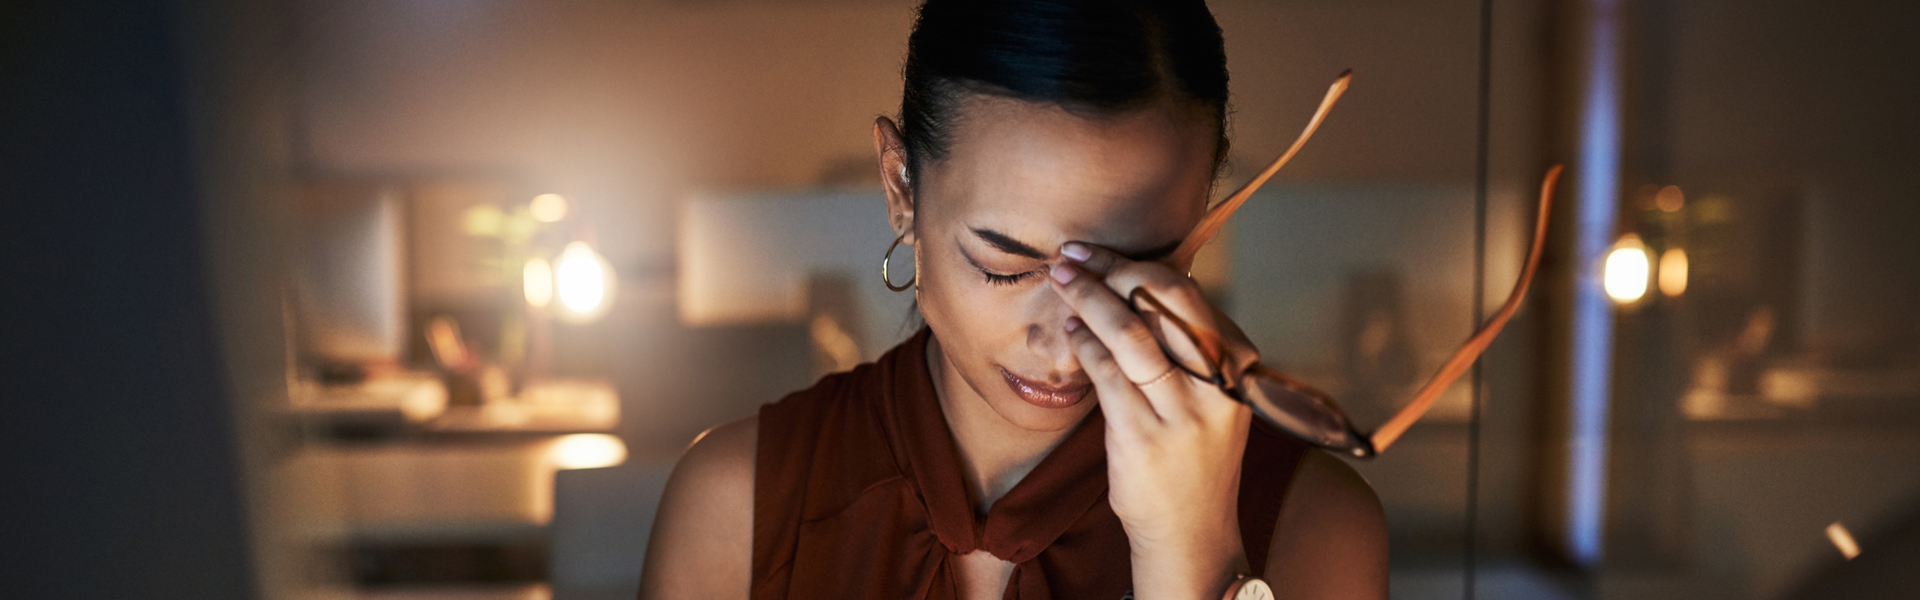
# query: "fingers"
x,y
1094,258
1126,407
1176,293
1132,347
1241,354
1096,283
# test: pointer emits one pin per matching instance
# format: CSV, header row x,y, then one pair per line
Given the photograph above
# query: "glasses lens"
x,y
1176,339
1303,411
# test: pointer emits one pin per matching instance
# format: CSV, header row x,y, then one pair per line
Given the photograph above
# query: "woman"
x,y
1032,441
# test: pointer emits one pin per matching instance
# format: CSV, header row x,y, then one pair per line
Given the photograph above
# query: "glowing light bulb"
x,y
1673,272
548,208
537,280
587,451
584,281
1627,270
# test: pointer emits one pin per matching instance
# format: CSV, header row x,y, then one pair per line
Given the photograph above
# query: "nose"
x,y
1047,338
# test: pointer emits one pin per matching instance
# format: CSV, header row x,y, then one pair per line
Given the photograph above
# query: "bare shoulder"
x,y
1332,490
702,540
1331,538
724,454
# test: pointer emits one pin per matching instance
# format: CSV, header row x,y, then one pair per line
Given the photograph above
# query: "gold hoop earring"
x,y
883,268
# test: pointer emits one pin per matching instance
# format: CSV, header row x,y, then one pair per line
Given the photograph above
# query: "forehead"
x,y
1046,175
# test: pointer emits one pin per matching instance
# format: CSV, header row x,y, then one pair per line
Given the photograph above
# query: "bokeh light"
x,y
587,451
1670,199
537,280
483,220
548,208
1627,269
584,281
1673,272
1843,540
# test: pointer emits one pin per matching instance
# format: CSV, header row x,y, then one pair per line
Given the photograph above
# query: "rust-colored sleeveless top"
x,y
859,493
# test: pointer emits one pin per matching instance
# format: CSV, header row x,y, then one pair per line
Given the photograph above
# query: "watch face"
x,y
1254,589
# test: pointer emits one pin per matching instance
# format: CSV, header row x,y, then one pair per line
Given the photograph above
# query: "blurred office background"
x,y
422,298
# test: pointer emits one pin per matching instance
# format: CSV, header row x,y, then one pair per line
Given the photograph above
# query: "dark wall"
x,y
120,475
1801,116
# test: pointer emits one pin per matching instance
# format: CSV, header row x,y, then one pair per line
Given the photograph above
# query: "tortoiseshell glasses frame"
x,y
1288,403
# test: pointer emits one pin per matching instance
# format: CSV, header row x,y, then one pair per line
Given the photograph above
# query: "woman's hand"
x,y
1174,443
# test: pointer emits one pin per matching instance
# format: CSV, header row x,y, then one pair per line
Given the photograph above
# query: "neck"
x,y
996,453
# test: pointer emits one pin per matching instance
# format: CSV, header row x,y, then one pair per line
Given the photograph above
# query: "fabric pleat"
x,y
859,492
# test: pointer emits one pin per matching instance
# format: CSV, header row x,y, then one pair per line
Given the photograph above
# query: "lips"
x,y
1043,395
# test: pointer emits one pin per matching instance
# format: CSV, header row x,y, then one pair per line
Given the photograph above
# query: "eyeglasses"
x,y
1292,405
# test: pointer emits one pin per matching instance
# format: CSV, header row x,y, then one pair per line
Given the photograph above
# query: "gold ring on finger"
x,y
1163,377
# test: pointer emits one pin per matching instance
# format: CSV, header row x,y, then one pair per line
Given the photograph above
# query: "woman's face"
x,y
1020,180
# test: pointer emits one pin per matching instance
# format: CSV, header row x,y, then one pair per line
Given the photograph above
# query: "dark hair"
x,y
1096,56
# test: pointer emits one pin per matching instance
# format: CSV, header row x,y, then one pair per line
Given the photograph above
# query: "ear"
x,y
892,150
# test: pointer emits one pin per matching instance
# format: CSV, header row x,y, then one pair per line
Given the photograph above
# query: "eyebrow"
x,y
1007,244
1015,247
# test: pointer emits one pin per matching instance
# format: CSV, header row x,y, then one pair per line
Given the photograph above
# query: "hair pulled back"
x,y
1093,56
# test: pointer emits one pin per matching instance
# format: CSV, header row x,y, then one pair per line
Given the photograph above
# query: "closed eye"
x,y
999,279
994,278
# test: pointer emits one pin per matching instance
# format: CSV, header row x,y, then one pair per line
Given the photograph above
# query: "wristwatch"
x,y
1248,588
1244,588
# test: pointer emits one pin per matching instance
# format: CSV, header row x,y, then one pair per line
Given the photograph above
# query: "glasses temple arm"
x,y
1217,216
1477,344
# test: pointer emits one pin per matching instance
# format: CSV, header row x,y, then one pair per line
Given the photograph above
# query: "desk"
x,y
425,494
415,404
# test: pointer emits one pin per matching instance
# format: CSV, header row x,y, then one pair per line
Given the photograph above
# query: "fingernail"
x,y
1073,324
1064,274
1076,251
